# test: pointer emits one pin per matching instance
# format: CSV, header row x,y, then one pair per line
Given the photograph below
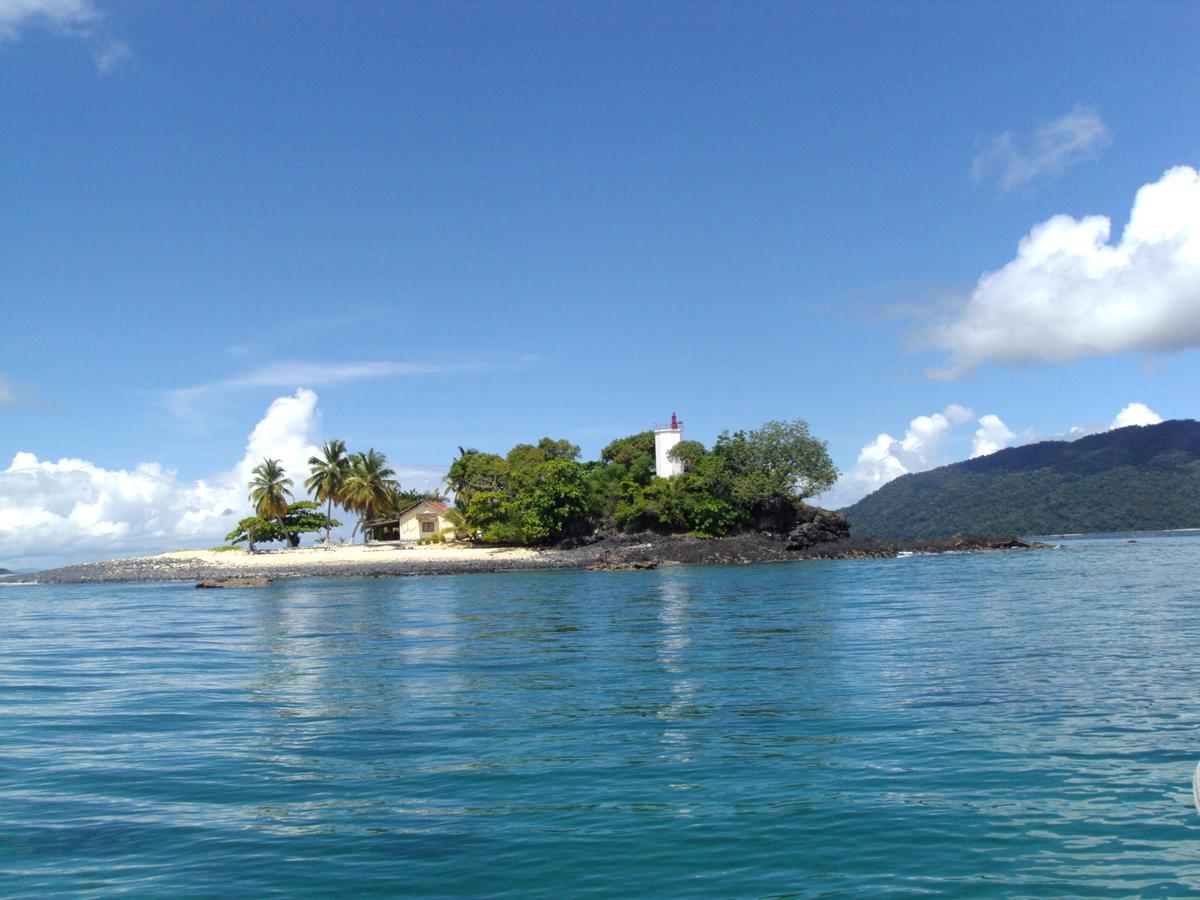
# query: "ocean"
x,y
1011,724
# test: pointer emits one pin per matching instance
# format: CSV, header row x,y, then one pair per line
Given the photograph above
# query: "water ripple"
x,y
1011,724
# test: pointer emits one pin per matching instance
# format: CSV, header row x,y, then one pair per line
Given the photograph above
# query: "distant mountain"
x,y
1131,479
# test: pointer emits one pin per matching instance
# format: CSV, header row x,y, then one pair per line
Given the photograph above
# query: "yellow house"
x,y
420,522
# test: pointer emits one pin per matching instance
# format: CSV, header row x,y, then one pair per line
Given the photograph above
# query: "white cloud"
x,y
109,55
956,414
421,478
1136,414
886,457
51,511
288,374
73,18
992,435
1057,145
1069,293
61,15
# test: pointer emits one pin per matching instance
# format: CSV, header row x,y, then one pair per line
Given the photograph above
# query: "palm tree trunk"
x,y
328,517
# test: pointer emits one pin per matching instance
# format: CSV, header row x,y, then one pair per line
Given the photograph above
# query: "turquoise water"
x,y
1017,724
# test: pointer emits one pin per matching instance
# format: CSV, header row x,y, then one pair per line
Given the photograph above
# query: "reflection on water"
x,y
674,641
1008,723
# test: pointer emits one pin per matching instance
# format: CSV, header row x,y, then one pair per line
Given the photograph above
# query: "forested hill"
x,y
1131,479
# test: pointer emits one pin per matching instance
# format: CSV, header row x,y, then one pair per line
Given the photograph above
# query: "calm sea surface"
x,y
1017,724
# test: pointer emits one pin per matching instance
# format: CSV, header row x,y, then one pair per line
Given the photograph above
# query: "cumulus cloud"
x,y
886,457
51,509
1070,293
1136,414
992,435
1057,145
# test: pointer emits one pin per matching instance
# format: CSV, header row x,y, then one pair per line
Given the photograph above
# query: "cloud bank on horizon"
x,y
73,509
1069,293
886,458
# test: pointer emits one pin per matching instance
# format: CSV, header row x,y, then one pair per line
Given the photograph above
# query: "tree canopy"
x,y
540,493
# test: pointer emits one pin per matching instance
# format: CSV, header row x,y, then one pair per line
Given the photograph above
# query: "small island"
x,y
651,499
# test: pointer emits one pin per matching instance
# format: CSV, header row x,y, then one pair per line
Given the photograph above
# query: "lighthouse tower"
x,y
666,437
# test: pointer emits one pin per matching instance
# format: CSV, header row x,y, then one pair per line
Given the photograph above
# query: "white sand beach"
x,y
272,560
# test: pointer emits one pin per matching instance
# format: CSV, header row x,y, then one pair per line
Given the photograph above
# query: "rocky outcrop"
x,y
607,565
818,526
872,549
253,581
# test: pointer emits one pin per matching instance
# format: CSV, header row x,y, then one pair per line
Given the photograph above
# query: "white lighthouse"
x,y
666,437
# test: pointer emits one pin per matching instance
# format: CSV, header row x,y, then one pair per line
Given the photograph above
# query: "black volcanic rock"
x,y
818,526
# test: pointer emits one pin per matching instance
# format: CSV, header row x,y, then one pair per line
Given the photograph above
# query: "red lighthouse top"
x,y
674,422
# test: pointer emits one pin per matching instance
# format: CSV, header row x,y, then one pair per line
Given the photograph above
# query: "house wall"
x,y
410,526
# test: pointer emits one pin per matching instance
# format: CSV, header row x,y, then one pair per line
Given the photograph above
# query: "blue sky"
x,y
475,224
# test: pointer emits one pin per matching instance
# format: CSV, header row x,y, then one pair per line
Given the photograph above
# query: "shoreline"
x,y
389,560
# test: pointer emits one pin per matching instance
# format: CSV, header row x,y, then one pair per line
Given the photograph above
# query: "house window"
x,y
427,527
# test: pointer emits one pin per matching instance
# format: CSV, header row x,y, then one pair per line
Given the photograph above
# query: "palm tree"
x,y
370,487
270,491
327,480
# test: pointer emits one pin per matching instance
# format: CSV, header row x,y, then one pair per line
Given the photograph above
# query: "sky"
x,y
231,230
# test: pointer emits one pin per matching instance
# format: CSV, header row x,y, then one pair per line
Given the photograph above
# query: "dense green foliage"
x,y
1131,479
540,493
302,517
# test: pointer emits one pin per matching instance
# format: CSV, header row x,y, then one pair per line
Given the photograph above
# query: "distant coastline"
x,y
391,560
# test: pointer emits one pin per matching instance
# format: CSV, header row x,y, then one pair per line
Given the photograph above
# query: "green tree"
x,y
779,460
555,504
558,450
473,472
302,517
256,530
370,487
328,474
270,491
635,453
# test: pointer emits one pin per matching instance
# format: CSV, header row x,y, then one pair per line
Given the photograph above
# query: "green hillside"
x,y
1131,479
